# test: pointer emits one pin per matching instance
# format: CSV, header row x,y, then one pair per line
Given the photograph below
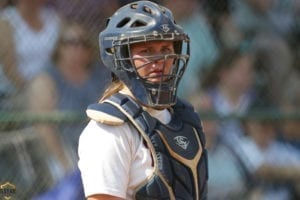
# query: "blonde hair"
x,y
113,88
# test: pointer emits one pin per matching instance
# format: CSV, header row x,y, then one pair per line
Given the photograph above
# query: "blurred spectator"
x,y
236,23
274,164
204,48
91,13
274,64
252,16
290,105
23,162
278,17
228,177
283,16
70,84
229,86
29,31
271,26
225,30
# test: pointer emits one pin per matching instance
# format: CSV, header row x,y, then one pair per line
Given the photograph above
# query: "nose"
x,y
158,63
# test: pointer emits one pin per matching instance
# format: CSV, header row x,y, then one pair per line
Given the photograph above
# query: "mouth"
x,y
156,76
157,73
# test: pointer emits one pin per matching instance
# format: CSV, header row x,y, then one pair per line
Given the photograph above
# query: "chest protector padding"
x,y
179,156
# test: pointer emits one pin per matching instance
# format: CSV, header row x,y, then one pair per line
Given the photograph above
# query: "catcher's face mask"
x,y
143,47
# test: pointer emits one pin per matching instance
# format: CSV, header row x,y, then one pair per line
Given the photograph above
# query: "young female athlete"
x,y
143,142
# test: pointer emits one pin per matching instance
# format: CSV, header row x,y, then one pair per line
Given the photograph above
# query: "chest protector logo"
x,y
182,141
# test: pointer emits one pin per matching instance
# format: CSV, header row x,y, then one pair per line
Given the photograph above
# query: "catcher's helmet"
x,y
144,21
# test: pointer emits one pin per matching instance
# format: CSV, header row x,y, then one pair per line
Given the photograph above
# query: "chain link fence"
x,y
268,29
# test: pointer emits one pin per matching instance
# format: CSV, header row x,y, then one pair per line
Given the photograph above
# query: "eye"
x,y
167,50
145,51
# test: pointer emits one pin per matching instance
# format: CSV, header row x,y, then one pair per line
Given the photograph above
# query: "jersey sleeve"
x,y
105,159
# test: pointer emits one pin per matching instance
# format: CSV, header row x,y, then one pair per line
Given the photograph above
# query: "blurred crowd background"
x,y
243,77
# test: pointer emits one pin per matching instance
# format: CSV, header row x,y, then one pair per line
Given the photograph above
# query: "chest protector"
x,y
177,149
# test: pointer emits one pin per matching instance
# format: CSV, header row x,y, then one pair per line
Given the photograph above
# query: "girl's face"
x,y
75,47
240,75
150,59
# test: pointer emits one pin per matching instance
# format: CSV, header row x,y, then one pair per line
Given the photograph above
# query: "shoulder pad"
x,y
105,113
